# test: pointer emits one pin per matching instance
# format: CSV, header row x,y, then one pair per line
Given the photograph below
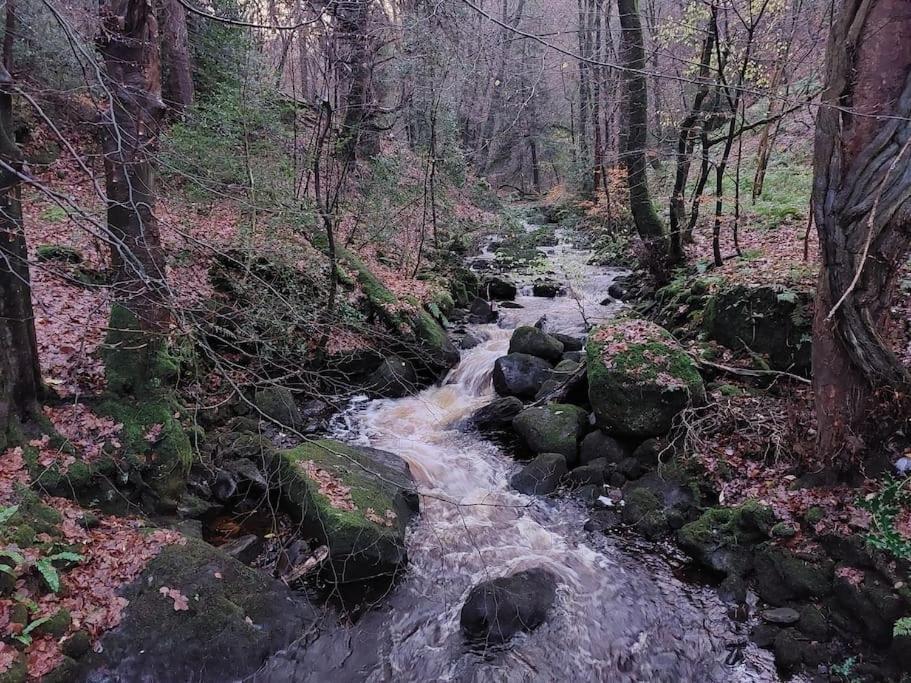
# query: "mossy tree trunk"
x,y
140,317
862,210
635,136
20,378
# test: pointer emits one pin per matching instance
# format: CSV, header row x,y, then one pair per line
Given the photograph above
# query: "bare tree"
x,y
175,44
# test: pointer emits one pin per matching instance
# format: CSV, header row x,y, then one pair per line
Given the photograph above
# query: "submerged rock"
x,y
639,378
554,428
541,476
497,414
236,618
496,610
535,342
355,500
519,374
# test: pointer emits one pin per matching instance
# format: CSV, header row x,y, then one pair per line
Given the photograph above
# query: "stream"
x,y
621,613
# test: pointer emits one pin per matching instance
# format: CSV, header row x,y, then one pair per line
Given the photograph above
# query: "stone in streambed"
x,y
500,288
723,539
780,615
554,428
278,404
595,472
598,445
481,312
519,374
497,414
639,378
394,378
535,342
497,610
782,576
570,343
541,476
547,289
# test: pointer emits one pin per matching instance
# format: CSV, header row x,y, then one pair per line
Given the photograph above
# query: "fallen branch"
x,y
560,392
749,372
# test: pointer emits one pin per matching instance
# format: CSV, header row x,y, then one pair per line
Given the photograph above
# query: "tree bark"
x,y
140,317
178,85
634,139
862,210
359,135
20,377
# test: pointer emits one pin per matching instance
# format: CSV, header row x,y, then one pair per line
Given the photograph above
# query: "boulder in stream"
x,y
639,378
547,289
519,374
554,428
355,500
598,445
497,610
541,476
235,618
394,378
534,342
498,288
497,414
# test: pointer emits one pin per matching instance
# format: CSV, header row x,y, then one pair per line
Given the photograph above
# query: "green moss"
x,y
58,252
57,625
783,530
814,515
172,453
135,361
731,525
17,672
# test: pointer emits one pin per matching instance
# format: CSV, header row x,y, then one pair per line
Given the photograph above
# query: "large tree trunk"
x,y
140,317
359,135
862,207
635,137
20,379
178,85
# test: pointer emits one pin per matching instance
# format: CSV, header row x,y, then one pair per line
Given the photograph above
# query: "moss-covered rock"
x,y
534,342
237,617
277,403
639,378
155,441
769,320
355,500
58,252
782,576
554,428
723,539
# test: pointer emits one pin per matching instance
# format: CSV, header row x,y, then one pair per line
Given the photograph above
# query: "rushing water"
x,y
621,615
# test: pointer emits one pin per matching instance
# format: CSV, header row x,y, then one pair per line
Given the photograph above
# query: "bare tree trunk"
x,y
178,85
140,317
635,137
862,210
359,136
20,377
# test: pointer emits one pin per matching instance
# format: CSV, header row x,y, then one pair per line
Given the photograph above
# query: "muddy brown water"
x,y
621,614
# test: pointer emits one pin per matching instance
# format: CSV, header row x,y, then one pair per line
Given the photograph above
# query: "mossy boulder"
x,y
782,576
355,500
237,617
58,252
771,320
639,378
534,342
277,403
154,441
541,476
554,428
723,539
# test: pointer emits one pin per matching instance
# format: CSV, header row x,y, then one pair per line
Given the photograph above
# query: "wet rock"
x,y
782,577
767,319
534,342
481,312
238,479
355,500
232,625
733,589
244,549
869,607
394,378
643,510
496,610
851,549
554,428
316,413
570,343
547,289
672,488
497,414
594,472
575,356
722,539
519,374
813,623
603,520
788,648
469,341
617,291
780,615
597,445
510,304
630,468
541,476
764,635
497,287
649,452
278,404
639,378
